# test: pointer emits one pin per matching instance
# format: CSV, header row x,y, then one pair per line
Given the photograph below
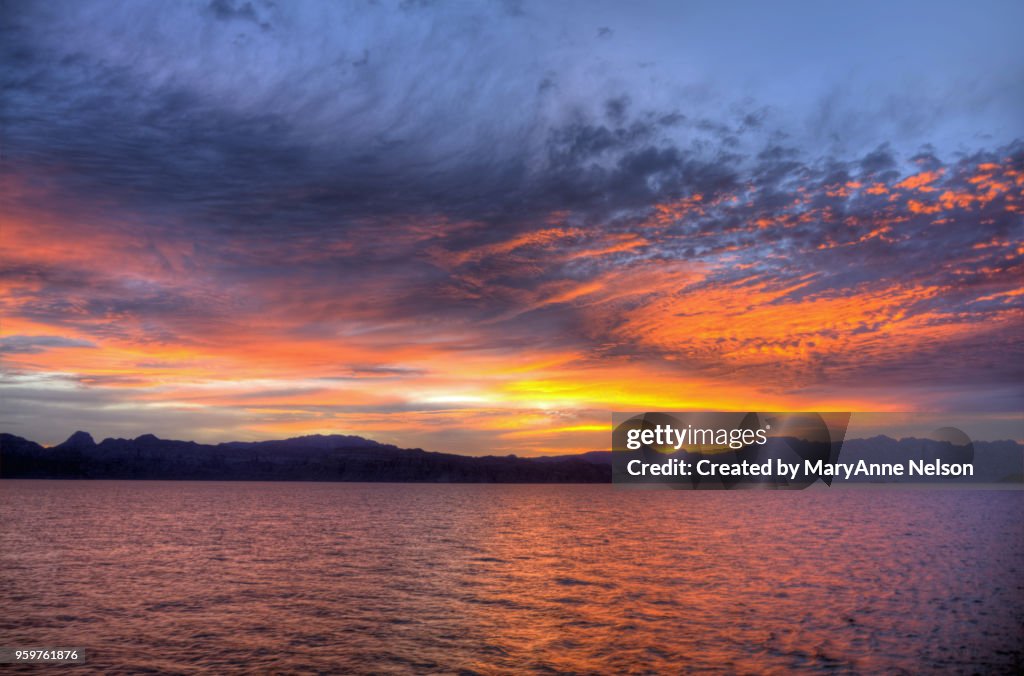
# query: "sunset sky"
x,y
483,227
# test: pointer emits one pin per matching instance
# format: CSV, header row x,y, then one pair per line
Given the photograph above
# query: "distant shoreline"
x,y
351,459
334,458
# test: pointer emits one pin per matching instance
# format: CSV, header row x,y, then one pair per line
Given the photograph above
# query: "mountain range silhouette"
x,y
351,458
307,458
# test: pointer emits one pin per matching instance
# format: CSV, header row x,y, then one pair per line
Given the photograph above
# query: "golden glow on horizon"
x,y
287,360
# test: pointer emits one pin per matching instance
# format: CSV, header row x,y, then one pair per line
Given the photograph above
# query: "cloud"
x,y
37,344
383,210
227,10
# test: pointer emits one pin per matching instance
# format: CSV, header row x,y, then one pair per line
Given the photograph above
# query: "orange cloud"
x,y
920,182
454,338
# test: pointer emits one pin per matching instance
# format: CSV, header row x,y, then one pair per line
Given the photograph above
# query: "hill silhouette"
x,y
351,458
308,458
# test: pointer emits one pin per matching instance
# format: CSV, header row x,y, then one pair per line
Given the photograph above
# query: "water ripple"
x,y
153,577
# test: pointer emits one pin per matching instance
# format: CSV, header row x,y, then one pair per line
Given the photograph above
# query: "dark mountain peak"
x,y
79,440
12,442
147,439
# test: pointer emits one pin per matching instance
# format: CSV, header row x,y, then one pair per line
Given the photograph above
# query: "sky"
x,y
483,227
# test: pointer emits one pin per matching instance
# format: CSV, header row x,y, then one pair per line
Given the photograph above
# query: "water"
x,y
298,577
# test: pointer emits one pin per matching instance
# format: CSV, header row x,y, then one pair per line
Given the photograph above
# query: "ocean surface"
x,y
191,577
